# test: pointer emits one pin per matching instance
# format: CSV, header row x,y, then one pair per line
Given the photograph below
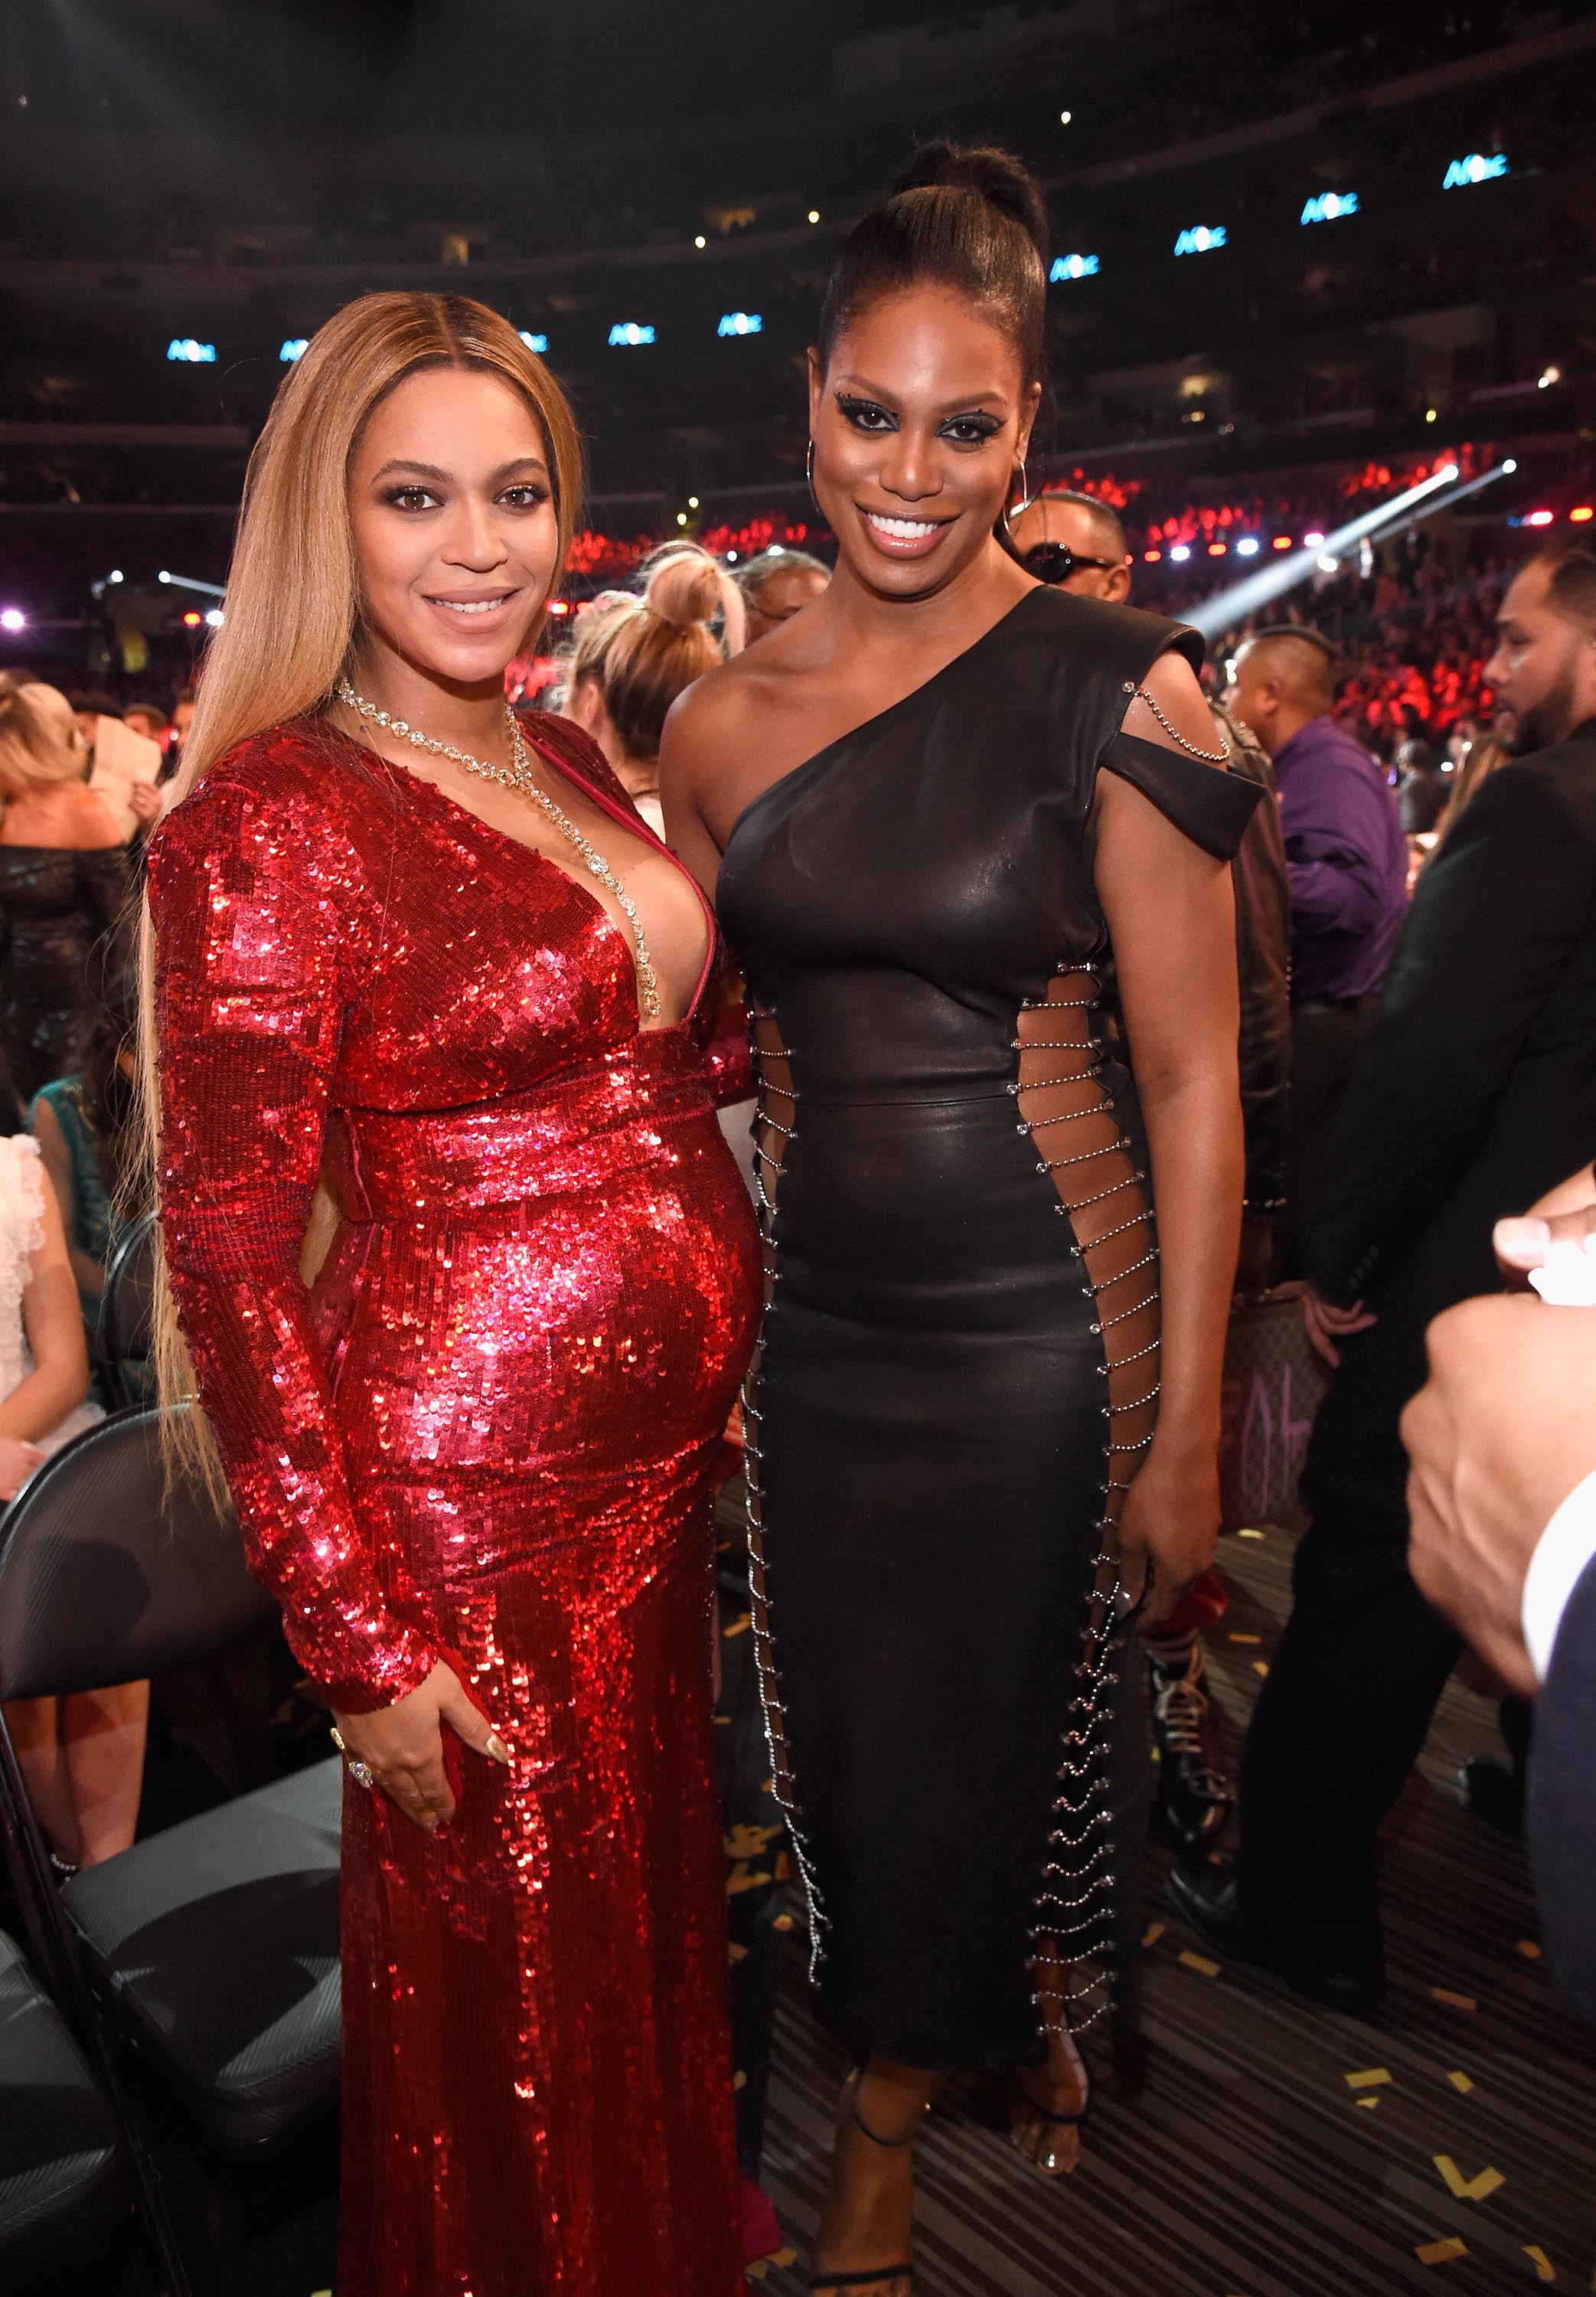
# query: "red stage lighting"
x,y
192,620
1152,556
1580,513
1216,550
1282,542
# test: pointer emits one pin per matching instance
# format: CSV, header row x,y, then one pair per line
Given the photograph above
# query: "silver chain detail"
x,y
1209,757
518,776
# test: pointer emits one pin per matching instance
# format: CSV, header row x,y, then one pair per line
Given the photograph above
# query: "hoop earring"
x,y
809,473
1024,502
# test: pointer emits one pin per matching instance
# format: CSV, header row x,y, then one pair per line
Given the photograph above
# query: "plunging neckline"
x,y
536,854
878,717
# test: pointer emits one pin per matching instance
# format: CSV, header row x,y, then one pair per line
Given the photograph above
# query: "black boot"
x,y
1208,1898
1195,1797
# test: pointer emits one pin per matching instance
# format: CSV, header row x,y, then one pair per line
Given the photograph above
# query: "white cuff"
x,y
1562,1551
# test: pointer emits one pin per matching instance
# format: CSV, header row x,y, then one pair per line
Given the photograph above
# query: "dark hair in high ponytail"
x,y
969,218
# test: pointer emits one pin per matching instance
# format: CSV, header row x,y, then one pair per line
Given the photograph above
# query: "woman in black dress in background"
x,y
942,907
64,886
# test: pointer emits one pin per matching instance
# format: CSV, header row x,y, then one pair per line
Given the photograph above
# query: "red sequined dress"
x,y
486,1430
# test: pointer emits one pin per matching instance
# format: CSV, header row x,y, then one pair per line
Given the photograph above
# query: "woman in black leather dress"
x,y
64,891
965,829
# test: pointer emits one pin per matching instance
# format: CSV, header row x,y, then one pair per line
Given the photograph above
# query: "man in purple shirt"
x,y
1346,861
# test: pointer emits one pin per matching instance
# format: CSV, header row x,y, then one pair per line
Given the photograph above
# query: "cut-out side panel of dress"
x,y
1064,1104
774,1121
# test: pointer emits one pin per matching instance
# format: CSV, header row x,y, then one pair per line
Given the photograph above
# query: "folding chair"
x,y
207,1955
127,1312
65,2189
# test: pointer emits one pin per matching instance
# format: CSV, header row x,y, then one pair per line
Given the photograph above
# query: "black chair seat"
x,y
217,1940
63,2179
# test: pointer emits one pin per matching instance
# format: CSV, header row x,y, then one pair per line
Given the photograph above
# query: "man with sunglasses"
x,y
1073,542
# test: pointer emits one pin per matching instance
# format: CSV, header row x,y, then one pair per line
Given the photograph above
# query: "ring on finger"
x,y
362,1774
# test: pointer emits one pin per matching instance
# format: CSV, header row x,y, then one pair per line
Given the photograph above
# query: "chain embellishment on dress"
x,y
518,777
1210,757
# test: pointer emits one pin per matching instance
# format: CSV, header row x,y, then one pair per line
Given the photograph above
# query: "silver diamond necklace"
x,y
518,776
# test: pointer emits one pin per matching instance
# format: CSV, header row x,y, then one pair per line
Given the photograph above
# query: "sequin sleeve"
x,y
258,897
722,1032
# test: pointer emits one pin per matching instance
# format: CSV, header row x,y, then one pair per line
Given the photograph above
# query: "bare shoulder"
x,y
1171,709
717,713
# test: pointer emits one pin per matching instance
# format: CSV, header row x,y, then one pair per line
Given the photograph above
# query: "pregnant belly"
x,y
600,1336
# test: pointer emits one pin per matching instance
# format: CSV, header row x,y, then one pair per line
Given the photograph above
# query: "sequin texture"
x,y
486,1430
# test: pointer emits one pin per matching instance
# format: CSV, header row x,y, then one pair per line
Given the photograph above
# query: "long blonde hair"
x,y
642,651
293,610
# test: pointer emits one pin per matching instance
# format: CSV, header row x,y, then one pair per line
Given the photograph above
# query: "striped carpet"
x,y
1229,2156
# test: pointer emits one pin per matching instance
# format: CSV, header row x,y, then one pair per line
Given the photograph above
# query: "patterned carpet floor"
x,y
1229,2154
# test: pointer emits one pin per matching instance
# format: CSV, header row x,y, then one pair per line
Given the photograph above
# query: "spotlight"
x,y
1581,514
1152,556
1216,550
692,502
539,343
1509,466
1538,518
1551,374
701,241
1281,542
115,574
814,215
192,618
1180,551
731,558
294,348
1065,118
214,618
12,618
1313,541
163,576
681,518
1429,413
1248,547
1327,565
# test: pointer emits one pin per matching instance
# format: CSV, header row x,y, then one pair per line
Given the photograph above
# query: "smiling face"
x,y
920,425
455,529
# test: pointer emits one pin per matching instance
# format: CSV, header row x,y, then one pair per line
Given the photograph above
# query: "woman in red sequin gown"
x,y
474,1453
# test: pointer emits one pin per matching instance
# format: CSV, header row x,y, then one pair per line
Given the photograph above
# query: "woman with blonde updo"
x,y
63,887
416,960
634,655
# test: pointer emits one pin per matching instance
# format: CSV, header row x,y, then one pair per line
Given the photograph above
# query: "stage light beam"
x,y
1320,552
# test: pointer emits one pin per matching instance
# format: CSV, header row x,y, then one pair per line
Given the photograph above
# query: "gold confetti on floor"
x,y
1544,2268
1260,1667
1369,2102
1369,2078
739,1625
1200,1962
1455,2001
1441,2253
739,2080
1529,1950
1245,1639
782,1922
1461,2081
736,1952
1249,1534
742,1879
1152,1934
1468,2189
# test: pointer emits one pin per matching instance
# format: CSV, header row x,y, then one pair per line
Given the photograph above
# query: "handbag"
x,y
1273,1386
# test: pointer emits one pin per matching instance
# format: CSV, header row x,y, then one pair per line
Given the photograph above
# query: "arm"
x,y
1498,911
1334,876
686,745
53,1321
1171,918
249,893
88,1273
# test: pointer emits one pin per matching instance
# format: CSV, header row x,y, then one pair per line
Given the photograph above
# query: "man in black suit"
x,y
1473,1093
1502,1496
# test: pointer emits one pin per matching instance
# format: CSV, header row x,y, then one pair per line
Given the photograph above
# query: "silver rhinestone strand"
x,y
518,777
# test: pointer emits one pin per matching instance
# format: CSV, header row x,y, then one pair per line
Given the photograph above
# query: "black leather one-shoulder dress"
x,y
959,1365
